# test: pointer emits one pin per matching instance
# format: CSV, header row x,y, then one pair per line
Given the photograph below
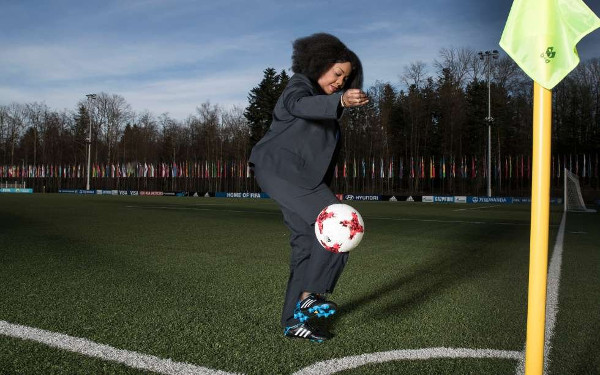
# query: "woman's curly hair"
x,y
315,54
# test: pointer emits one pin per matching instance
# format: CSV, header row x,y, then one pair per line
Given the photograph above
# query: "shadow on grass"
x,y
10,222
429,279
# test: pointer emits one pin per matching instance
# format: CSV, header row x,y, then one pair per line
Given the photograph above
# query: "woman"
x,y
294,164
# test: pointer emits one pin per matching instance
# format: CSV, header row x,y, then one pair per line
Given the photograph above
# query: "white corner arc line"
x,y
167,366
105,352
340,364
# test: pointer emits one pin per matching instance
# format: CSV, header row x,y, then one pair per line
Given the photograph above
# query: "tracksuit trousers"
x,y
312,268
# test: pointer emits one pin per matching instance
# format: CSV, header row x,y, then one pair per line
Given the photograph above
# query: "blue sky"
x,y
172,56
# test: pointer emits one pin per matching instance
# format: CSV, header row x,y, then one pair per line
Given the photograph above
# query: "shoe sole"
x,y
292,336
302,338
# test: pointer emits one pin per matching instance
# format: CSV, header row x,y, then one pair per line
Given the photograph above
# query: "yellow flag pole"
x,y
538,246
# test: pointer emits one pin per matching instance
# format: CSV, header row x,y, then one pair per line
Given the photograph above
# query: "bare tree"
x,y
505,72
171,137
236,131
414,74
15,127
3,131
36,119
459,62
109,114
208,126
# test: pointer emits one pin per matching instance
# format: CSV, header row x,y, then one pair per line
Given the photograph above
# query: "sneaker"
x,y
314,305
305,331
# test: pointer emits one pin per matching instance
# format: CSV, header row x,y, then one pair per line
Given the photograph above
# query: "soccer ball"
x,y
339,228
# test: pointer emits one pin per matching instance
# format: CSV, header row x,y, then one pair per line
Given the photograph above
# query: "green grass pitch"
x,y
201,280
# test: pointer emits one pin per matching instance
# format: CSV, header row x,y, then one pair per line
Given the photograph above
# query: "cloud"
x,y
177,96
159,76
87,59
180,97
171,56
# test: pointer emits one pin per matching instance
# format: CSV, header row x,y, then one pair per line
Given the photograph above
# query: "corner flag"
x,y
541,36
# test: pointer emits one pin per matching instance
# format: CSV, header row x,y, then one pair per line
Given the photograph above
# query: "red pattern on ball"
x,y
354,225
335,248
322,217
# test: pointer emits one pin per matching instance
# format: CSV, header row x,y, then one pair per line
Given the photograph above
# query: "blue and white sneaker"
x,y
314,306
305,331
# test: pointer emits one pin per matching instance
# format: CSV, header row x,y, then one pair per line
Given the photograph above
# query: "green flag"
x,y
540,35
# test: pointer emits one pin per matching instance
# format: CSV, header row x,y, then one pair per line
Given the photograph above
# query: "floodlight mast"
x,y
489,119
88,140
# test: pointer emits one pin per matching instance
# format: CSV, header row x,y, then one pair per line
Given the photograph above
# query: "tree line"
x,y
435,111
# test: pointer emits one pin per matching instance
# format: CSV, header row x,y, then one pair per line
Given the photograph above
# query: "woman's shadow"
x,y
425,281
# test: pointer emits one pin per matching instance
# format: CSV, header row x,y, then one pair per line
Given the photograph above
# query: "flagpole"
x,y
540,211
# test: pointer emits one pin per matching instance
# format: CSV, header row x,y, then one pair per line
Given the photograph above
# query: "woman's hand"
x,y
354,98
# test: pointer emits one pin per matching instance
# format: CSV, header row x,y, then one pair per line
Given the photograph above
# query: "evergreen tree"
x,y
475,130
449,116
262,100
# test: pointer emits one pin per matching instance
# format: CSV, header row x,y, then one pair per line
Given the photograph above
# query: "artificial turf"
x,y
201,280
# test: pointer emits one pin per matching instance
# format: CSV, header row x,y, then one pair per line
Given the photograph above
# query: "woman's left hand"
x,y
354,98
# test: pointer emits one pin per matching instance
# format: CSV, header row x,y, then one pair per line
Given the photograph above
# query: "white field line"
x,y
92,349
476,208
365,217
340,364
551,296
202,209
167,366
552,290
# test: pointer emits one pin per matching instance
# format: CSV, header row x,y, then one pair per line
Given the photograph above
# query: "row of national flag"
x,y
424,167
205,169
519,166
